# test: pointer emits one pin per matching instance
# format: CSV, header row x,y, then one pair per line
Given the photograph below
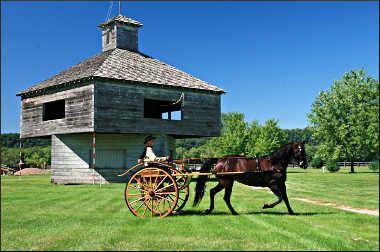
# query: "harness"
x,y
258,165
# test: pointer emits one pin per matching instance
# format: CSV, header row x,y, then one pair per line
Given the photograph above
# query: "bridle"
x,y
298,156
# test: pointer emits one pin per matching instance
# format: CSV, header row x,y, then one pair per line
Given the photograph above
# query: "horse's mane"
x,y
278,153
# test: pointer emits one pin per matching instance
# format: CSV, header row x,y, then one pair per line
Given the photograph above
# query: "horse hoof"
x,y
208,211
265,206
235,213
292,213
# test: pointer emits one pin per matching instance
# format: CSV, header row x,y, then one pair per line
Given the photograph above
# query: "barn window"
x,y
162,109
54,110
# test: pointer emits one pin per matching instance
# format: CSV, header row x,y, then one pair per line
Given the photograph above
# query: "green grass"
x,y
358,190
39,216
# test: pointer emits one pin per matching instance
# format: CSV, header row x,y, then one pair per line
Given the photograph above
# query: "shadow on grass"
x,y
360,172
199,213
297,214
296,172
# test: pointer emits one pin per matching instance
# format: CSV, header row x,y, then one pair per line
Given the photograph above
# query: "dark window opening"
x,y
54,110
108,37
162,109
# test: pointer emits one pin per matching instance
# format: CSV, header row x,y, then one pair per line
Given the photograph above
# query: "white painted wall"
x,y
71,161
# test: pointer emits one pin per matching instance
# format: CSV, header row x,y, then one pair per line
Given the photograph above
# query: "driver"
x,y
148,154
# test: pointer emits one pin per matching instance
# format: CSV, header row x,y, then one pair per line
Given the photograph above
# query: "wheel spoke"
x,y
160,182
164,187
142,203
179,177
137,200
155,180
161,193
146,207
134,194
138,188
151,209
165,198
181,198
145,182
158,208
168,200
163,204
150,182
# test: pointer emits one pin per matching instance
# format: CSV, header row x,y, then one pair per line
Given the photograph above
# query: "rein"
x,y
185,159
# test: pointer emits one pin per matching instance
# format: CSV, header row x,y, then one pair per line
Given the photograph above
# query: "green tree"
x,y
253,135
10,156
311,152
345,119
12,140
233,136
299,135
36,156
269,139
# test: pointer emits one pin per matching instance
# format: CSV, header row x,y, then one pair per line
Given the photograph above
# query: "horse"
x,y
266,171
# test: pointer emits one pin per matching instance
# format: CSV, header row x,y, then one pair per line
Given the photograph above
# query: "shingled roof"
x,y
126,65
121,19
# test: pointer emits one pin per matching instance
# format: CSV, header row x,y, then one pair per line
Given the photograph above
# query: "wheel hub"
x,y
151,193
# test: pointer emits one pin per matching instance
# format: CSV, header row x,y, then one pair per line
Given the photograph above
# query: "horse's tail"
x,y
202,179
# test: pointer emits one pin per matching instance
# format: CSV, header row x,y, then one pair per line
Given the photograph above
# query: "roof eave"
x,y
41,90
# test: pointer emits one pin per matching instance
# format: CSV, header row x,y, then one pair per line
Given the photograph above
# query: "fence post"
x,y
93,158
20,164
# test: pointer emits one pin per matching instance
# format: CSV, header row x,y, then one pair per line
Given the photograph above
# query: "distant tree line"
x,y
35,151
239,137
34,156
12,140
291,135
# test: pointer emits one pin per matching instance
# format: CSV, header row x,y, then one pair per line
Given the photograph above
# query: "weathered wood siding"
x,y
120,108
71,160
79,113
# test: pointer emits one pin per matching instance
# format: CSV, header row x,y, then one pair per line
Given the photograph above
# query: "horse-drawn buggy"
x,y
161,189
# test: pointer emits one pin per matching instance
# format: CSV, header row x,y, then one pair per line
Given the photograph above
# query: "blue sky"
x,y
272,58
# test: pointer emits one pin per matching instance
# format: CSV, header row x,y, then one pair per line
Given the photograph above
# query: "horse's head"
x,y
300,154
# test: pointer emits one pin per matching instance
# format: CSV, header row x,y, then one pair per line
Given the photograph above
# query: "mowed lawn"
x,y
36,215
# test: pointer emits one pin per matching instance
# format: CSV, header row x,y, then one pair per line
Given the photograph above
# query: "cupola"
x,y
120,32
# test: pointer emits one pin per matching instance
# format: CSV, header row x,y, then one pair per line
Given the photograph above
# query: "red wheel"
x,y
151,190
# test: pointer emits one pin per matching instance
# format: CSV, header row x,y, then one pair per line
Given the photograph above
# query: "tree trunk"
x,y
352,167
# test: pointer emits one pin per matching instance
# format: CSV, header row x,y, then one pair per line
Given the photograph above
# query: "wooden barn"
x,y
121,95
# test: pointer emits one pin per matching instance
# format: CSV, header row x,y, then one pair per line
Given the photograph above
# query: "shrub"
x,y
374,166
316,162
332,165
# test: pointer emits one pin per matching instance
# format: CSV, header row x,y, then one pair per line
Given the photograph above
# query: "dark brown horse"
x,y
267,171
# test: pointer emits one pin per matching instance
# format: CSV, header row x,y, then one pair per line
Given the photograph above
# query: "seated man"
x,y
148,154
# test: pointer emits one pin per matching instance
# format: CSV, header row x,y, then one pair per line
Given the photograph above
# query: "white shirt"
x,y
150,157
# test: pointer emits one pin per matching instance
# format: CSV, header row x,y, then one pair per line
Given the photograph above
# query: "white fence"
x,y
341,164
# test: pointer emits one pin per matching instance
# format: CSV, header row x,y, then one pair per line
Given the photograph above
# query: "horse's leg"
x,y
276,190
227,196
285,197
214,191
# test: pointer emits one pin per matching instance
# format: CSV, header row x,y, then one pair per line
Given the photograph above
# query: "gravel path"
x,y
32,171
346,208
